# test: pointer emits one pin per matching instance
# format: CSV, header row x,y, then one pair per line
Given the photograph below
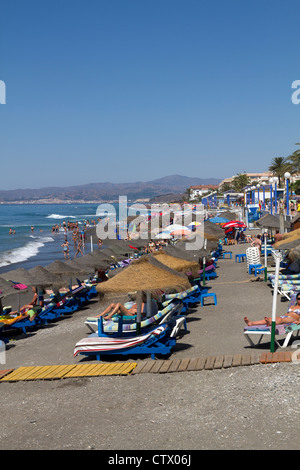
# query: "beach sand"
x,y
251,407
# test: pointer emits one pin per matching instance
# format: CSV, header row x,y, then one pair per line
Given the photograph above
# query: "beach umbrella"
x,y
6,288
42,277
19,275
65,272
234,224
219,220
91,260
212,229
178,264
227,215
190,255
144,274
60,267
271,221
79,270
194,224
164,235
184,231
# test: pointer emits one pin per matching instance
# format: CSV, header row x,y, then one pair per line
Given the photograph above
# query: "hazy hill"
x,y
108,191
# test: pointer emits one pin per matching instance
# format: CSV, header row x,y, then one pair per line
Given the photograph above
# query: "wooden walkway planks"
x,y
67,371
149,366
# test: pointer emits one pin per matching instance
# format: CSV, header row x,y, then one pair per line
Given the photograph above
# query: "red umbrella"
x,y
234,224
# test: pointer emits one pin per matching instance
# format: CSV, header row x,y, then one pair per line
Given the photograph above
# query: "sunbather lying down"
x,y
119,309
292,316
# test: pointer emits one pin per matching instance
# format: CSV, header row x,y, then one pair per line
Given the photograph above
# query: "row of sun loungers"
x,y
158,333
55,308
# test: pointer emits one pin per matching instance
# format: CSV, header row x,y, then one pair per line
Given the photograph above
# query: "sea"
x,y
28,248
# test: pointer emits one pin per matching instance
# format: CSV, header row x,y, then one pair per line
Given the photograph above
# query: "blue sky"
x,y
132,90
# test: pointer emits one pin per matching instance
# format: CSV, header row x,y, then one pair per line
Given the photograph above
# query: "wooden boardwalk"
x,y
158,366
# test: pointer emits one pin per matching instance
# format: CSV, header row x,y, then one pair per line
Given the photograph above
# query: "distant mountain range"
x,y
104,192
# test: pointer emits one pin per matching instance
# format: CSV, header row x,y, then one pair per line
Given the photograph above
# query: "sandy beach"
x,y
250,407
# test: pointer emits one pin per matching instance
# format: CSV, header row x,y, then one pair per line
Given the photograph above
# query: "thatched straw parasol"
x,y
271,221
144,274
93,261
19,275
65,272
178,264
60,267
228,215
6,288
42,277
190,255
212,229
288,244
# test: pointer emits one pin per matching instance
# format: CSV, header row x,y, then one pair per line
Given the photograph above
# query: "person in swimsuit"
x,y
119,309
292,316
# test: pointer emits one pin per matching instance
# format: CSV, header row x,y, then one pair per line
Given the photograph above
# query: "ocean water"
x,y
27,248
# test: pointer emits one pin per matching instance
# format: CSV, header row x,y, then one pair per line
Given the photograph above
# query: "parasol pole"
x,y
275,293
203,274
139,313
266,262
148,304
91,244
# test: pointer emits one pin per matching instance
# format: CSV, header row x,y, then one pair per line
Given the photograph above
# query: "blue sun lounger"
x,y
159,340
121,324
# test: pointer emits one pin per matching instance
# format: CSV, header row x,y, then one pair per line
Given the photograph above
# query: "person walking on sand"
x,y
79,246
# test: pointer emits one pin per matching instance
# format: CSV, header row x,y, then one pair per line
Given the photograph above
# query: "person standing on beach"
x,y
65,247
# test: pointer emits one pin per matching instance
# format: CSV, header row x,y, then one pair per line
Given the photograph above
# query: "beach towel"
x,y
20,286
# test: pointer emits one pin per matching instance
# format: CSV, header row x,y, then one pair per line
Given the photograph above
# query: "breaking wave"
x,y
59,216
23,253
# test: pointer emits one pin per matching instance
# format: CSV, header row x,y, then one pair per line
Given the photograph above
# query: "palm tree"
x,y
294,161
279,165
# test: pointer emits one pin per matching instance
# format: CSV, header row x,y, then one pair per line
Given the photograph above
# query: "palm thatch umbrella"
x,y
112,255
191,255
65,272
19,275
175,263
144,274
228,215
90,263
6,287
212,229
271,221
42,277
287,244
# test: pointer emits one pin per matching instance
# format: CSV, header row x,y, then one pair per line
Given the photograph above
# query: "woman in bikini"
x,y
292,316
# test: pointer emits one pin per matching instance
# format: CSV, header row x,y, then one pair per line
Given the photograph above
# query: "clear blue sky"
x,y
132,90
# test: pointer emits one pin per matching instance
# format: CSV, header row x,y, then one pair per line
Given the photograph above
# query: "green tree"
x,y
240,181
225,187
279,165
294,162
